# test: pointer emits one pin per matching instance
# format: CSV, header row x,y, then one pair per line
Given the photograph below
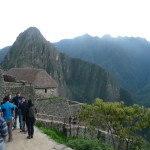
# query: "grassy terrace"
x,y
50,98
75,143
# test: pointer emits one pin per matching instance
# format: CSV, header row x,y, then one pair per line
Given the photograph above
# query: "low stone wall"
x,y
53,118
71,130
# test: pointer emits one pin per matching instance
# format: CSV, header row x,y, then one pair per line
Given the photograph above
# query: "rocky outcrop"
x,y
1,79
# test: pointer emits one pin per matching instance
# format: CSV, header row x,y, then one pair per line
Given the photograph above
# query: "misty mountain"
x,y
127,59
3,52
79,80
143,96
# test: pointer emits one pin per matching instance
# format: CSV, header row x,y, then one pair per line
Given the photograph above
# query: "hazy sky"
x,y
61,19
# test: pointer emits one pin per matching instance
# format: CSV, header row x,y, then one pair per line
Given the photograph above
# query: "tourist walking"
x,y
8,113
23,108
17,100
30,118
3,133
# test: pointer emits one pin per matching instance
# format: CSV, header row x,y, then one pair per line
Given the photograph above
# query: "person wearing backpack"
x,y
30,118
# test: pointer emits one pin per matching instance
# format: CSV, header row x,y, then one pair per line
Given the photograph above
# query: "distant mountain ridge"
x,y
127,59
78,80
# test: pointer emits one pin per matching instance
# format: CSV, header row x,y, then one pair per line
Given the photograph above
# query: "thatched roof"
x,y
37,77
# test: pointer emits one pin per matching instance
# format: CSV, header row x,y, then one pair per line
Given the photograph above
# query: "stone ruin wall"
x,y
26,91
52,92
14,87
75,107
59,107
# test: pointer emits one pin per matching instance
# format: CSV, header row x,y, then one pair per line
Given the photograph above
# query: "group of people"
x,y
10,110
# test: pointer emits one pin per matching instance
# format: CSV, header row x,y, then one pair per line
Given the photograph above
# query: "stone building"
x,y
41,81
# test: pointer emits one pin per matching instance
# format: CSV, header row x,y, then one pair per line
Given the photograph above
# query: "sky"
x,y
65,19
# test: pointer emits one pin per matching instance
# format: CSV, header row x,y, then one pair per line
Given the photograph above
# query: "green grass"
x,y
54,134
75,143
50,98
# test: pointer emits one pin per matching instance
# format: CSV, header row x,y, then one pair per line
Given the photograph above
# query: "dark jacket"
x,y
30,111
23,108
17,101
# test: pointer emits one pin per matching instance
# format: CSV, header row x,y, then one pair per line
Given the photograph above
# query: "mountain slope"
x,y
143,96
3,52
78,80
126,59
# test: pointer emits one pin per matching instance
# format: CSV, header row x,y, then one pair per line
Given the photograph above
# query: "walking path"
x,y
39,142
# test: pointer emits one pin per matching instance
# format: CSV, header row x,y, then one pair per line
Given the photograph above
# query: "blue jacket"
x,y
7,109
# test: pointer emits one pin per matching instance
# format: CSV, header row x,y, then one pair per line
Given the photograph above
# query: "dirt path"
x,y
39,142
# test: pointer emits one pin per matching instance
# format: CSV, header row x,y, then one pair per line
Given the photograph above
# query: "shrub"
x,y
87,144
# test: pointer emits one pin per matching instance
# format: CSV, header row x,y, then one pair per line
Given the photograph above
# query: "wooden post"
x,y
85,132
52,123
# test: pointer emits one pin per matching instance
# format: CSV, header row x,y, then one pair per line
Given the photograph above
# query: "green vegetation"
x,y
119,120
50,98
87,144
75,142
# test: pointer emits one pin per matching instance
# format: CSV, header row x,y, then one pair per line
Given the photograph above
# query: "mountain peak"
x,y
28,45
84,37
32,30
32,33
106,36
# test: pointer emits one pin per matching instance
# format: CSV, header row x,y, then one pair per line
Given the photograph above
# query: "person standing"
x,y
17,100
3,133
30,118
8,114
23,108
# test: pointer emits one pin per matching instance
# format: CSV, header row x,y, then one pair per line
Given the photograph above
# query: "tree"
x,y
122,122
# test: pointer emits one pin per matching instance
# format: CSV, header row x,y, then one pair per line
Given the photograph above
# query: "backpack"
x,y
31,112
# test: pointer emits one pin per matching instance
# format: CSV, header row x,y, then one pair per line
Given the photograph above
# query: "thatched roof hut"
x,y
39,78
